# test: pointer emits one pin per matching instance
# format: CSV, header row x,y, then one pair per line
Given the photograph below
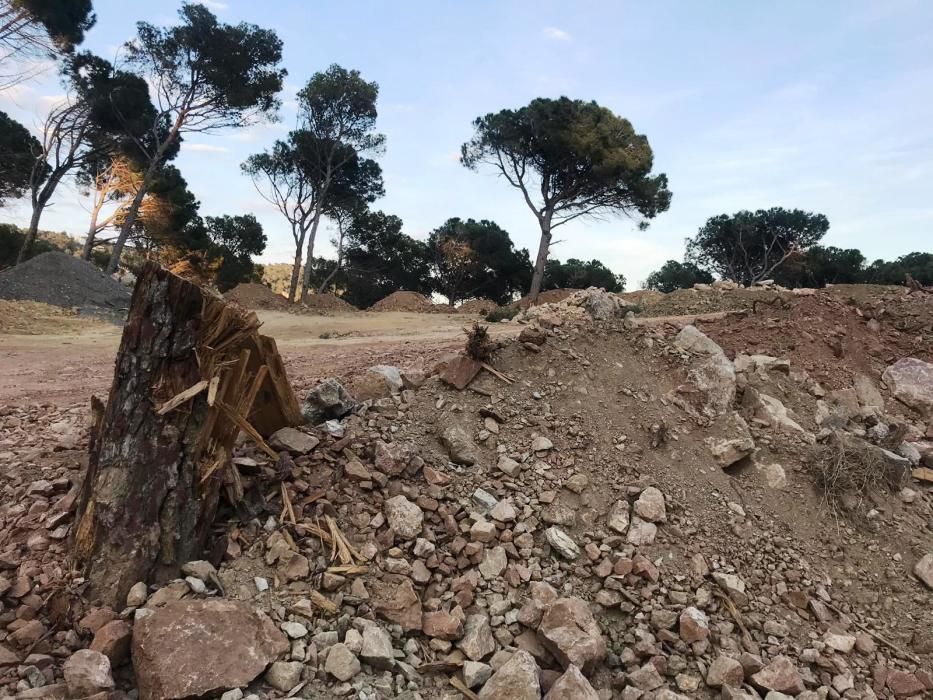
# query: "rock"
x,y
641,532
572,686
294,567
650,506
533,335
561,542
542,595
460,371
569,631
87,672
459,445
780,675
508,466
694,625
725,671
200,569
924,570
113,641
393,458
504,512
483,531
477,641
840,642
774,475
646,678
904,684
761,364
442,625
341,663
736,444
484,500
294,630
194,647
285,675
8,657
541,444
292,440
733,585
95,619
378,382
710,370
137,595
326,401
394,599
769,411
619,517
868,394
475,673
494,563
405,518
377,648
911,380
517,679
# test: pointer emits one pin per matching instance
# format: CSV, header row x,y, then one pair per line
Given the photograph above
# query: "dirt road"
x,y
66,369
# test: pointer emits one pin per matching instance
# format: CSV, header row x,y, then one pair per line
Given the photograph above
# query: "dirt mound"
x,y
404,301
63,280
479,306
258,296
551,296
683,302
34,318
328,303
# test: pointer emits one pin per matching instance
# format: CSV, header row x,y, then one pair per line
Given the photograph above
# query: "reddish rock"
x,y
191,648
572,686
113,641
86,673
461,371
8,657
904,684
394,599
516,679
569,631
28,634
694,625
442,625
780,675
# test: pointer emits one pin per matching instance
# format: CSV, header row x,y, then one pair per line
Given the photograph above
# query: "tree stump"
x,y
188,372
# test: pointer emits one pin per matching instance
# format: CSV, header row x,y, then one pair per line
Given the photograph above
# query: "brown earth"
x,y
404,301
258,296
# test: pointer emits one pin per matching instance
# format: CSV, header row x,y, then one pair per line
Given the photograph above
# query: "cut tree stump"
x,y
191,372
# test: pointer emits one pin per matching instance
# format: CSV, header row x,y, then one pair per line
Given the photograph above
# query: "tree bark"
x,y
296,273
537,278
31,232
160,454
309,257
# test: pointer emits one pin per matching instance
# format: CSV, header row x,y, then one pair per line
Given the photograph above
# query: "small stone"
x,y
494,563
924,570
503,511
113,641
405,518
694,625
483,531
294,630
570,632
780,675
843,643
650,506
577,483
459,445
137,595
618,519
562,543
646,678
641,532
541,444
475,673
572,686
508,466
200,569
377,648
87,672
517,679
477,641
341,663
285,675
293,440
725,671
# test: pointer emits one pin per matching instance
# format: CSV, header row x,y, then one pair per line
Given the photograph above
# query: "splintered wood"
x,y
191,373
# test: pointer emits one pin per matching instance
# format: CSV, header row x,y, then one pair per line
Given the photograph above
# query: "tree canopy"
x,y
477,259
18,149
569,159
749,246
235,239
677,275
917,265
577,274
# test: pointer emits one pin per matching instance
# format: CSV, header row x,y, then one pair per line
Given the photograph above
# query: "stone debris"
x,y
327,401
516,679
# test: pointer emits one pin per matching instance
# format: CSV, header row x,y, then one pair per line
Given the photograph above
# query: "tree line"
x,y
121,127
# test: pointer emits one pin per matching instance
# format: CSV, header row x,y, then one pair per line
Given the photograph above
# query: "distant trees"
x,y
818,266
677,275
749,246
577,274
918,265
569,159
18,149
206,76
477,259
234,239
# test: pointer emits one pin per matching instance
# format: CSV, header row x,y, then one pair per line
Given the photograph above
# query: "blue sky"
x,y
822,106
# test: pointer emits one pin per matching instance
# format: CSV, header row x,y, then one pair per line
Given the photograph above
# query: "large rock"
x,y
327,401
569,631
459,445
517,679
113,641
911,380
710,370
572,686
780,675
769,411
378,382
924,570
650,506
87,672
377,648
477,642
189,648
735,443
405,518
394,599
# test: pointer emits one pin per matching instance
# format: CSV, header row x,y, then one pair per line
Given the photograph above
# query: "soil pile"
x,y
404,301
684,302
258,296
328,303
479,306
33,318
551,296
63,280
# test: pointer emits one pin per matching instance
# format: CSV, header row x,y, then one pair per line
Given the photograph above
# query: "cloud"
x,y
215,5
555,34
205,148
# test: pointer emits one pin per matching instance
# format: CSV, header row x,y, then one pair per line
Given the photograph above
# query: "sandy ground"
x,y
67,368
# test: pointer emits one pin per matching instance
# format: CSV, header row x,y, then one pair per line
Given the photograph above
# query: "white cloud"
x,y
205,148
556,34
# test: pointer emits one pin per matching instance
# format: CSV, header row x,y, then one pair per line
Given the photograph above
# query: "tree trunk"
x,y
309,257
296,273
31,232
537,279
92,231
333,273
160,454
131,215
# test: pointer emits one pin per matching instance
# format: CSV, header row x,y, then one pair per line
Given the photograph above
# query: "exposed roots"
x,y
479,346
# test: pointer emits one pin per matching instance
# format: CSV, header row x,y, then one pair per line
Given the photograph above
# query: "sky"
x,y
822,106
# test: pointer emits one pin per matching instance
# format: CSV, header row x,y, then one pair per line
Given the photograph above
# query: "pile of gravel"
x,y
63,280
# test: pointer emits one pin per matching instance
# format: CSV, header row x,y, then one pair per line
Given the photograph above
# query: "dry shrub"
x,y
479,346
848,470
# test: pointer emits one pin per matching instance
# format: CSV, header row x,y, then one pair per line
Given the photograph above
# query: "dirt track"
x,y
66,369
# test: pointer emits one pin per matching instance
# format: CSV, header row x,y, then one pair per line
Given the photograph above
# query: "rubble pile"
x,y
619,511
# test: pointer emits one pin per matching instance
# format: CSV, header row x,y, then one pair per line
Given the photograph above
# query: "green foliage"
x,y
576,274
749,246
819,266
18,149
477,259
11,240
569,159
677,275
917,265
502,313
380,259
338,107
235,239
66,21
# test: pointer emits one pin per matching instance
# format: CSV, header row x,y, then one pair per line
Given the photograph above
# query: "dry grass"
x,y
479,346
848,471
